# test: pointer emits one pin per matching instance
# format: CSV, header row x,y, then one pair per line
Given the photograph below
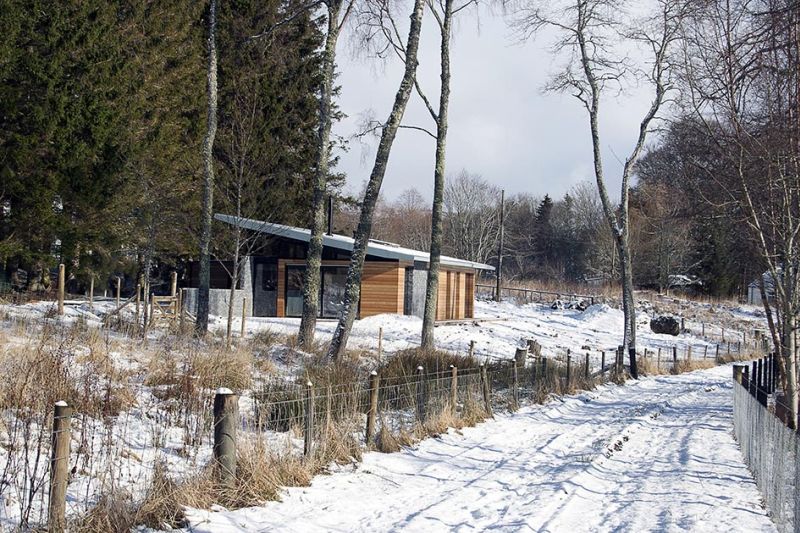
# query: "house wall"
x,y
419,287
382,286
218,298
456,294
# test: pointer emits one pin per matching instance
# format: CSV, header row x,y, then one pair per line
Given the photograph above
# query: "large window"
x,y
333,284
294,290
331,290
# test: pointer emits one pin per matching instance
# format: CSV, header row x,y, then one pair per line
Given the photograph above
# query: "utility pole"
x,y
497,297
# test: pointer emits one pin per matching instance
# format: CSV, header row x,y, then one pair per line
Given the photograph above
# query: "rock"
x,y
666,324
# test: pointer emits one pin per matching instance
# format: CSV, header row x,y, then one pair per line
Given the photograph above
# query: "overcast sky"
x,y
502,126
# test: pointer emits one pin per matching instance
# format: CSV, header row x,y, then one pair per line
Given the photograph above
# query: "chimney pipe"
x,y
330,214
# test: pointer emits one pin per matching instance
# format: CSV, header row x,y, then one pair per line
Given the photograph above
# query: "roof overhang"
x,y
340,242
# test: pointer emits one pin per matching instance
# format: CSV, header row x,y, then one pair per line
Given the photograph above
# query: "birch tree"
x,y
364,229
594,34
443,12
201,325
311,282
742,80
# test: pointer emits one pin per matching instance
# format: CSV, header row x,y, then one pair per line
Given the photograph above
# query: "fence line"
x,y
523,295
769,447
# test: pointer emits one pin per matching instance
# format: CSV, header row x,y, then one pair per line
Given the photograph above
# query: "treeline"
x,y
102,116
679,238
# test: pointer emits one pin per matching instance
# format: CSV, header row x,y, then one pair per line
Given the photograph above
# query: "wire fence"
x,y
769,446
526,296
172,428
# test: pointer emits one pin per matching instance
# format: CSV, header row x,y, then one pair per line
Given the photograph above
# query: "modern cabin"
x,y
393,280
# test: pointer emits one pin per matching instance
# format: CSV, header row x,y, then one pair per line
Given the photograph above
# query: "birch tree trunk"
x,y
201,325
234,280
311,281
364,229
432,283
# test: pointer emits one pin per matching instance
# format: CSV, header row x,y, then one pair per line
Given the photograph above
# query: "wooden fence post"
x,y
226,418
738,373
374,384
658,360
119,289
61,283
173,287
569,370
59,467
309,422
674,359
152,317
515,384
723,334
420,395
683,324
487,400
689,352
520,355
380,342
182,311
729,348
244,317
91,293
703,326
472,348
602,363
544,368
453,388
138,302
586,374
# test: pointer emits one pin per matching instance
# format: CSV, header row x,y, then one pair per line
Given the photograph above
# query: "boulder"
x,y
666,324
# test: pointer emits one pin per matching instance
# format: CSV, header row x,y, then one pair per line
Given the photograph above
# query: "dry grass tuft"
x,y
405,362
161,507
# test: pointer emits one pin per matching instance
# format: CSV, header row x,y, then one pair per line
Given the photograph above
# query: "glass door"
x,y
333,285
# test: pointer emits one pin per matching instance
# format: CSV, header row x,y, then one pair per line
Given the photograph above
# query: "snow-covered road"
x,y
657,455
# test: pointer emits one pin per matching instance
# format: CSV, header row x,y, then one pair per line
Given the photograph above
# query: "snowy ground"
x,y
656,455
146,431
498,329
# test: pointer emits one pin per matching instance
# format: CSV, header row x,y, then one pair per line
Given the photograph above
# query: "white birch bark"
x,y
364,229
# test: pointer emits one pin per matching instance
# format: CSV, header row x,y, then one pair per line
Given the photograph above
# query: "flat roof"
x,y
387,250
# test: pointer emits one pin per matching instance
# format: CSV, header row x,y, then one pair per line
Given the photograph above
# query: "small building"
x,y
754,291
393,281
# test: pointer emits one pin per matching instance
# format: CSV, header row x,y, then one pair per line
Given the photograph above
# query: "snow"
x,y
656,455
537,468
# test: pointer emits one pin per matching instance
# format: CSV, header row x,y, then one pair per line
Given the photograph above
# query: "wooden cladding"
x,y
382,288
456,295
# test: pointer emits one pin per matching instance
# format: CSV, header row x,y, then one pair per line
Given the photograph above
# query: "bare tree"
x,y
204,285
594,34
242,189
383,22
311,282
471,217
443,12
388,134
742,78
